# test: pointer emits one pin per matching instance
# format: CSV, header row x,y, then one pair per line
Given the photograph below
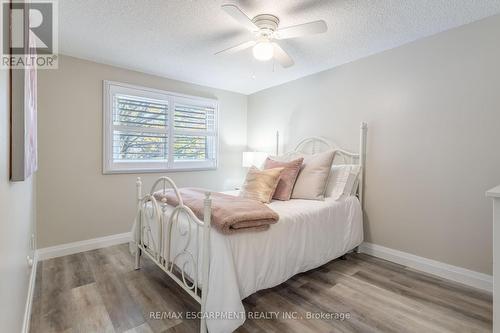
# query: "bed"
x,y
219,271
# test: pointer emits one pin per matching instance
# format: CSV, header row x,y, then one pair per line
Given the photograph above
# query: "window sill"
x,y
140,171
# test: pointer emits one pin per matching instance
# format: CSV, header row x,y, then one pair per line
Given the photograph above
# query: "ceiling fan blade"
x,y
237,48
282,57
310,28
239,16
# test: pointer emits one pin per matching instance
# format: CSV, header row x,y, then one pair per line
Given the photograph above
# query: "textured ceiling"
x,y
177,38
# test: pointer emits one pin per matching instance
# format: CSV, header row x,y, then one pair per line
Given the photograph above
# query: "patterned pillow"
x,y
343,181
287,178
260,184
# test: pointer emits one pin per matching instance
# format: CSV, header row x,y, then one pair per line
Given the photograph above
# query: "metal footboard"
x,y
151,214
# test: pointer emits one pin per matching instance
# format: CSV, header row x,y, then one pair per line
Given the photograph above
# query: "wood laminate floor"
x,y
99,291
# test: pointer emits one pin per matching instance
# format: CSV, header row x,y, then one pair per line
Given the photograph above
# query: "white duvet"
x,y
309,234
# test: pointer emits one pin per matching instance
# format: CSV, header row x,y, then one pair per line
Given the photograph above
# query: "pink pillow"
x,y
287,178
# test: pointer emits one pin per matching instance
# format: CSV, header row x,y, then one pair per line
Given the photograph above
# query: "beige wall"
x,y
433,108
16,225
75,200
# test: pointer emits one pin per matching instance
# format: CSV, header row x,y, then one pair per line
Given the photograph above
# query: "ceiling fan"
x,y
265,28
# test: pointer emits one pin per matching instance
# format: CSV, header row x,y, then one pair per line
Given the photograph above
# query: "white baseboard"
x,y
81,246
29,296
450,272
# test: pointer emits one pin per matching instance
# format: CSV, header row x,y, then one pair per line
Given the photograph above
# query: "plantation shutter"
x,y
194,137
154,130
140,129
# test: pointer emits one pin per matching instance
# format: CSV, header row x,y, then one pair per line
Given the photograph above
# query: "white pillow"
x,y
343,181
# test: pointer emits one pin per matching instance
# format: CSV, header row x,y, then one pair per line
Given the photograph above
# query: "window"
x,y
148,130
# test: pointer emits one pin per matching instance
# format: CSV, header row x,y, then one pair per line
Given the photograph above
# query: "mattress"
x,y
308,234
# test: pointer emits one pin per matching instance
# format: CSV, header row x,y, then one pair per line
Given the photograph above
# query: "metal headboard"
x,y
314,145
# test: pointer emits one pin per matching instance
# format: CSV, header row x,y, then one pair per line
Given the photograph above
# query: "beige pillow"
x,y
260,184
313,177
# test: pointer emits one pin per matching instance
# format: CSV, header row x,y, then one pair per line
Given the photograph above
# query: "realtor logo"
x,y
29,34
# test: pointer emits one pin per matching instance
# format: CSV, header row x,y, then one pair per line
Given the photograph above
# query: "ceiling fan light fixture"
x,y
267,32
263,50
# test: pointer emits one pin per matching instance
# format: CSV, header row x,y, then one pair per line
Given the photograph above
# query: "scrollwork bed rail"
x,y
152,213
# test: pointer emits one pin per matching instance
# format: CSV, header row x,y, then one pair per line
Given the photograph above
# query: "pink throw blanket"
x,y
230,214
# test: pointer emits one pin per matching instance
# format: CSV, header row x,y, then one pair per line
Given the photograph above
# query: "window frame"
x,y
110,88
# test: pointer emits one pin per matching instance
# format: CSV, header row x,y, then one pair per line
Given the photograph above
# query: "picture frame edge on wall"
x,y
23,126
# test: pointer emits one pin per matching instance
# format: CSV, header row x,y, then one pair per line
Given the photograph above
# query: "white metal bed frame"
x,y
160,253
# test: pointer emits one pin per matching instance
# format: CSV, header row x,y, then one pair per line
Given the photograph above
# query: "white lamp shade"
x,y
255,158
263,50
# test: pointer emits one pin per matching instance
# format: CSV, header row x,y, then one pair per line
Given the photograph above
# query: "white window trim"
x,y
110,167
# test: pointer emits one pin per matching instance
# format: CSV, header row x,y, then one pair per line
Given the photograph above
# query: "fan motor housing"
x,y
267,23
